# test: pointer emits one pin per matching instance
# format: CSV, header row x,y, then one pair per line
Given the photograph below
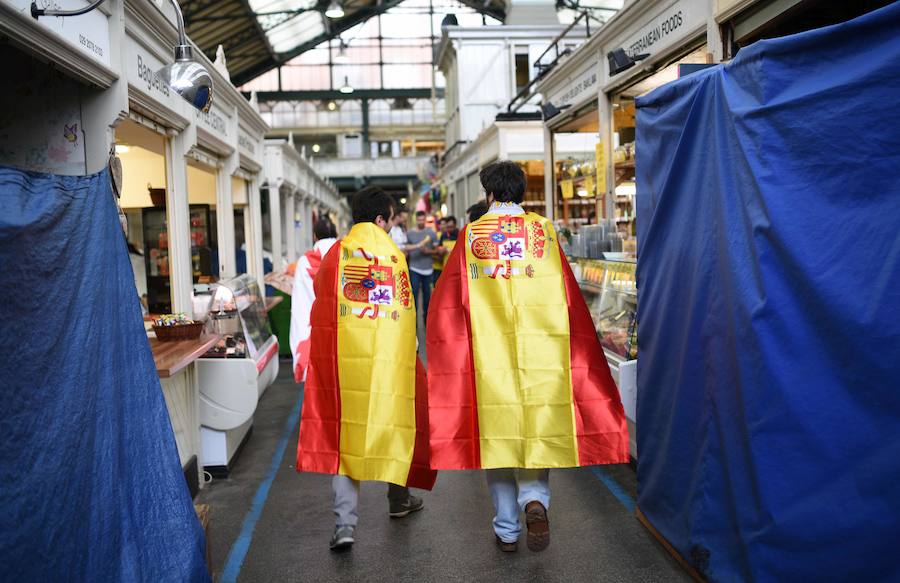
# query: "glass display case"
x,y
610,291
237,312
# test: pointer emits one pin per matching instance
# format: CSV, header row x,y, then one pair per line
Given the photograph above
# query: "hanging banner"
x,y
589,186
568,189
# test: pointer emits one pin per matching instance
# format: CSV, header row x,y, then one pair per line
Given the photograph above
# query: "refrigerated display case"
x,y
610,291
236,371
156,253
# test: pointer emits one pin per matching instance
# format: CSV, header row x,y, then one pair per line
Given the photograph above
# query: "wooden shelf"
x,y
172,357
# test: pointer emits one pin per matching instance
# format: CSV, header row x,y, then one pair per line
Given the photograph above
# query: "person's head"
x,y
503,181
400,216
373,205
442,225
450,224
420,219
324,229
476,211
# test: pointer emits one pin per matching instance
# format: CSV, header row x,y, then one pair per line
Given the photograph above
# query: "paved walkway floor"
x,y
269,523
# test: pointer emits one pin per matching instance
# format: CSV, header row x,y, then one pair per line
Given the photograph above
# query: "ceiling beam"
x,y
325,95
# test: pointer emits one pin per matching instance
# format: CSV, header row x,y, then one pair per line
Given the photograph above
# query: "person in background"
x,y
398,228
423,241
520,381
446,242
303,295
476,211
364,411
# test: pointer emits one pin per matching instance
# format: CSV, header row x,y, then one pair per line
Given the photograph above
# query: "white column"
x,y
181,271
275,212
291,225
225,219
254,235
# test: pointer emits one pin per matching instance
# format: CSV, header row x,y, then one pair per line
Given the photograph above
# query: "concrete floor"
x,y
280,522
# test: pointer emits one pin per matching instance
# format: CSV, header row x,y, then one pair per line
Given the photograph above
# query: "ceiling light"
x,y
403,200
122,149
332,105
334,10
346,88
341,58
316,148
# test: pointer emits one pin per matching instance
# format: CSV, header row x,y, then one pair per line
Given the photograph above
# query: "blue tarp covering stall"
x,y
91,488
769,315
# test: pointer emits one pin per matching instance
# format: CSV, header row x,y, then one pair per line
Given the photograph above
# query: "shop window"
x,y
579,193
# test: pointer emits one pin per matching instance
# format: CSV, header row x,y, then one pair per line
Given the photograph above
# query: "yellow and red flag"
x,y
365,408
518,376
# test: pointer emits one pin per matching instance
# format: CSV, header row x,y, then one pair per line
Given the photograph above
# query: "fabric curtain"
x,y
90,481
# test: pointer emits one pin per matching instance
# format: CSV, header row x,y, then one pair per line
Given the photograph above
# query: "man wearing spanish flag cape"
x,y
519,380
365,413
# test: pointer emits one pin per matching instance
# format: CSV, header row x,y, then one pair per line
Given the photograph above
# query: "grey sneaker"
x,y
403,508
342,539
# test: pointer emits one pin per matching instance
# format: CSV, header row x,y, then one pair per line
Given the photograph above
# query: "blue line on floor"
x,y
614,488
239,549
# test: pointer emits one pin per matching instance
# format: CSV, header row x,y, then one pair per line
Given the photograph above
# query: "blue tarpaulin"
x,y
768,412
91,488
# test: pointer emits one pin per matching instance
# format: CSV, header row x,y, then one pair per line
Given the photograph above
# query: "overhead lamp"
x,y
620,61
346,88
334,10
549,110
186,76
341,58
332,105
317,148
122,149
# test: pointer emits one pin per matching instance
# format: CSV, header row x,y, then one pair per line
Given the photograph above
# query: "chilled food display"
x,y
610,290
237,313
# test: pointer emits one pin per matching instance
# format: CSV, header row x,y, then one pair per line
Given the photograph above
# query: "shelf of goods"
x,y
236,371
610,291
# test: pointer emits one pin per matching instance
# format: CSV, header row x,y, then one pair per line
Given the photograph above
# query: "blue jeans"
x,y
423,283
511,490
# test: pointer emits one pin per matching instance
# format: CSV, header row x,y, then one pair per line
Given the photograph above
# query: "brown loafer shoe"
x,y
507,547
538,526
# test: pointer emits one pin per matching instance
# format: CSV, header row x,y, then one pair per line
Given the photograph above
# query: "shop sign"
x,y
583,84
246,143
88,32
142,67
215,121
666,28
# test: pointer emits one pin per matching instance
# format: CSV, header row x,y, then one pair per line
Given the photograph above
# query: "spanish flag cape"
x,y
365,407
518,377
302,297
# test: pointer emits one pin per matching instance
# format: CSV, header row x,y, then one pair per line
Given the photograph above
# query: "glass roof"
x,y
393,50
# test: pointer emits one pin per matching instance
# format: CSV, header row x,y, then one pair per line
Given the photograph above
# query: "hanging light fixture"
x,y
332,105
334,10
186,76
341,58
346,88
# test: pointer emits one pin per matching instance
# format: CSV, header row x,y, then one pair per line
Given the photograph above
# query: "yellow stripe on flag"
x,y
376,364
520,341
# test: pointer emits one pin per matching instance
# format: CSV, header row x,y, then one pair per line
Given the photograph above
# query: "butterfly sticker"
x,y
70,132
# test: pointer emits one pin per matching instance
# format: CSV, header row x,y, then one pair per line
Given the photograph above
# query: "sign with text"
x,y
141,67
215,121
88,32
582,84
665,29
247,144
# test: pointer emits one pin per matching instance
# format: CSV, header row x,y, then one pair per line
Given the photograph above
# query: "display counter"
x,y
235,371
610,291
